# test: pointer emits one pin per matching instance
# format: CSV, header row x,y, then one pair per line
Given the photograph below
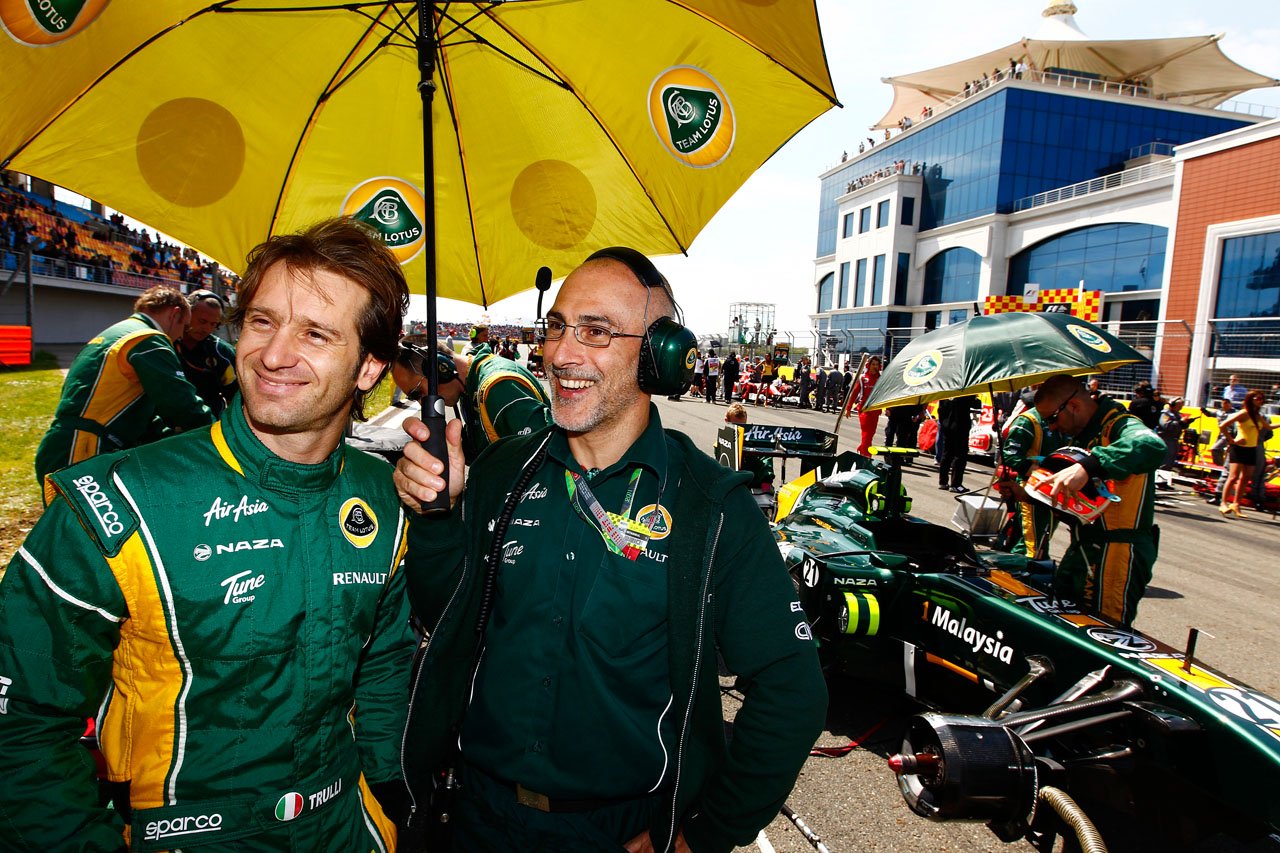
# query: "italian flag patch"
x,y
289,807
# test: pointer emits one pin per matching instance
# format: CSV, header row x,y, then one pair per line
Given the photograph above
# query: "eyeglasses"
x,y
1051,419
588,334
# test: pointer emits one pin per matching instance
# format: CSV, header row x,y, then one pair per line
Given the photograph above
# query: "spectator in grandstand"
x,y
125,388
1234,391
498,397
1243,453
208,361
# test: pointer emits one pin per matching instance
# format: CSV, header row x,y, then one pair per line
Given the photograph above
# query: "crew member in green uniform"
x,y
228,603
208,361
629,560
1027,438
1110,562
479,337
120,383
497,396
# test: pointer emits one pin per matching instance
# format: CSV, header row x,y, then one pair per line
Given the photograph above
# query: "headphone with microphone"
x,y
668,349
195,297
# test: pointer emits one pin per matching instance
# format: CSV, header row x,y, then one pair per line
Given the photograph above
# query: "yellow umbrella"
x,y
559,126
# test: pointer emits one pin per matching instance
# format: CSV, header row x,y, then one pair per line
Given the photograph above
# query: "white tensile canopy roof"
x,y
1191,70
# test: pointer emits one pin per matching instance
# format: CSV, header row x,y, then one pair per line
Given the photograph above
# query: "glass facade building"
x,y
952,276
1112,258
1012,143
1249,279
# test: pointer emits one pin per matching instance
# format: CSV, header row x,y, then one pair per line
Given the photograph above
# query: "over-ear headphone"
x,y
668,349
416,357
197,296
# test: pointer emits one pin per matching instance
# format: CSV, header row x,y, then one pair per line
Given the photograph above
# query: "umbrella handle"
x,y
433,417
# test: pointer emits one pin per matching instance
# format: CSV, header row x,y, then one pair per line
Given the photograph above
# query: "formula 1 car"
x,y
1049,721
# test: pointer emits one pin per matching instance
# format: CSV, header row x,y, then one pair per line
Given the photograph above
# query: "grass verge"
x,y
28,397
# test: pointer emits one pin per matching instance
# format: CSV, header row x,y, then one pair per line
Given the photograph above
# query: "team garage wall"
x,y
65,313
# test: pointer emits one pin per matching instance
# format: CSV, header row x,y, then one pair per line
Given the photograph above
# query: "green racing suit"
x,y
237,624
501,399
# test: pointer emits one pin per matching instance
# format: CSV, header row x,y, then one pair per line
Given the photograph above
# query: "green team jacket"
x,y
114,390
501,399
1028,437
727,591
238,626
1127,452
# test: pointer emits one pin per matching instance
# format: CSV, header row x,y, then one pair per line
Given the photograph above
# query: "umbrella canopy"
x,y
560,126
997,352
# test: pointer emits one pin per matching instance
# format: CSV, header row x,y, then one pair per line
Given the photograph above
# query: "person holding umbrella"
x,y
584,714
1109,563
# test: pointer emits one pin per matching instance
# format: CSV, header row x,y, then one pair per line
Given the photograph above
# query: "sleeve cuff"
x,y
1092,466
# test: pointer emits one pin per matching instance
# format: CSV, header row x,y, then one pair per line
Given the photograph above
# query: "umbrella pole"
x,y
432,405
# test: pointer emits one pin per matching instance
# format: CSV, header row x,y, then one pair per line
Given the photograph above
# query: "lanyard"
x,y
621,534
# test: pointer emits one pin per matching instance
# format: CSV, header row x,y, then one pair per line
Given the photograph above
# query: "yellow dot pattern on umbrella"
x,y
191,151
47,22
1089,308
553,204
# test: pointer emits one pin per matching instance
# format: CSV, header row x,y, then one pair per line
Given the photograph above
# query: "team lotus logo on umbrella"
x,y
395,209
922,368
40,23
1090,338
692,116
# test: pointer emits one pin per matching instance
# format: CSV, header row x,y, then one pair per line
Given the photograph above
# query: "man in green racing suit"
x,y
228,603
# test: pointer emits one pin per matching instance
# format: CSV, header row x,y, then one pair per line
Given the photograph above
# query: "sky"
x,y
760,246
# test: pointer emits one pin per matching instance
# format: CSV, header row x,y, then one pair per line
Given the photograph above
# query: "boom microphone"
x,y
543,282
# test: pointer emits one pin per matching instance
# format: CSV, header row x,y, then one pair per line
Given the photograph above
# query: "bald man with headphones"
x,y
208,362
577,594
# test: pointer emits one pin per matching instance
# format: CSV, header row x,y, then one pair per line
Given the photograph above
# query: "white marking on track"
x,y
762,841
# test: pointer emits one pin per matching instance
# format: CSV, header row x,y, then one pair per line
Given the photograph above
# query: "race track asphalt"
x,y
1214,574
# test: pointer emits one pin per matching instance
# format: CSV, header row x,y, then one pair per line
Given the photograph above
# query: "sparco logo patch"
x,y
692,116
101,504
40,23
395,209
358,522
239,586
189,825
222,509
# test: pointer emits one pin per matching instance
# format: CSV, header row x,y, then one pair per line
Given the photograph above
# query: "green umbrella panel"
x,y
997,352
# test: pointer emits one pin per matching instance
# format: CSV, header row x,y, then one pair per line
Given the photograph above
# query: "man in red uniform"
x,y
867,421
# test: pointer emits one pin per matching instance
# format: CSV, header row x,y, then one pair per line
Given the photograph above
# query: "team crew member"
x,y
1027,437
1109,564
208,361
497,396
630,559
120,382
479,336
759,467
228,603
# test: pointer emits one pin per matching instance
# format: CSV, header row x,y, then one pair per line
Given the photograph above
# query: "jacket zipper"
x,y
417,673
693,688
422,658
